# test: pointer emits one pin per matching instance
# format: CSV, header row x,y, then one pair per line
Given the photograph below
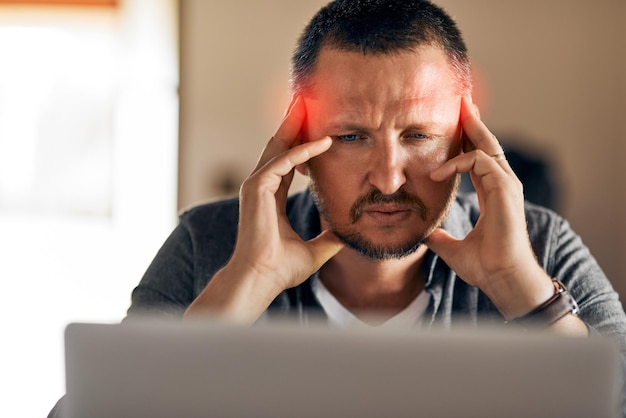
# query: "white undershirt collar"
x,y
339,316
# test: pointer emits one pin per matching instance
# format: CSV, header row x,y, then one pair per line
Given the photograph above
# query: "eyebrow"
x,y
351,126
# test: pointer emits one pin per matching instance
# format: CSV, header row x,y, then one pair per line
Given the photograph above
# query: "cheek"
x,y
347,160
337,176
334,188
428,159
333,172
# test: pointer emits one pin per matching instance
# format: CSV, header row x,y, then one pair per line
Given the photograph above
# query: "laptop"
x,y
163,369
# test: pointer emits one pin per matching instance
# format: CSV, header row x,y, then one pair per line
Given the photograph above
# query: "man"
x,y
383,123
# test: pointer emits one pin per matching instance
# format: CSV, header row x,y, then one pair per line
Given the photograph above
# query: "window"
x,y
88,161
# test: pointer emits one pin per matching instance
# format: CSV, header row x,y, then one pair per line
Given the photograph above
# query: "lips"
x,y
389,213
387,206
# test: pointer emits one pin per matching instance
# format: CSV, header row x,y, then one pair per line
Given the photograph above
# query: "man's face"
x,y
393,120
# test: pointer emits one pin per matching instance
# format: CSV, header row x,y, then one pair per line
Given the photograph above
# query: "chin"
x,y
380,251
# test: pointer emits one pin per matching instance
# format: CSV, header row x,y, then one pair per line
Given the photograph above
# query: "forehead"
x,y
425,70
353,80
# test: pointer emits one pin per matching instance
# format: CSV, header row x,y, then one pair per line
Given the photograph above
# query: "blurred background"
x,y
117,114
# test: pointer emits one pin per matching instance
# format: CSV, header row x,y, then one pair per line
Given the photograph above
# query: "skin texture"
x,y
383,138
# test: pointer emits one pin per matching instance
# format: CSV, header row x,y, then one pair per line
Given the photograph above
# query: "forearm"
x,y
233,296
570,324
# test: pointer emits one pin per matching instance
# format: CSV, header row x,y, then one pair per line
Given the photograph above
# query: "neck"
x,y
368,287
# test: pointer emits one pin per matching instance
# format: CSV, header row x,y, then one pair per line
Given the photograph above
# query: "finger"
x,y
468,146
265,191
324,247
289,129
477,162
476,133
443,244
291,103
287,134
272,173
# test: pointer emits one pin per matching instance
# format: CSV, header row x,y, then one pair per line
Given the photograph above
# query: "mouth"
x,y
388,208
389,213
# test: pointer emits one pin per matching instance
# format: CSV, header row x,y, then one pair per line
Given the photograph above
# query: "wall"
x,y
551,75
234,85
554,76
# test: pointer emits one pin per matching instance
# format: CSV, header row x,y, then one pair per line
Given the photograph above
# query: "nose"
x,y
387,167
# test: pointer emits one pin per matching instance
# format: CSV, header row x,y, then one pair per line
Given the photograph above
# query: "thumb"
x,y
443,244
323,247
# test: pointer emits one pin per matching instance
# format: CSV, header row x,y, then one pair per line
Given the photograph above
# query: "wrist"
x,y
248,282
516,296
559,305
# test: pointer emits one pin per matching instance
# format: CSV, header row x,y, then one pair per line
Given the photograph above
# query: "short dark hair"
x,y
378,27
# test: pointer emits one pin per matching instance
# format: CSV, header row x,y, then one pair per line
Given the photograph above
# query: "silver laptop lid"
x,y
201,370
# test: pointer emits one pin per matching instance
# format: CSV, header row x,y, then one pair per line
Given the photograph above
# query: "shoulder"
x,y
219,209
224,213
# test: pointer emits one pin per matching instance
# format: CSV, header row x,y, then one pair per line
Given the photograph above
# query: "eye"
x,y
417,136
348,137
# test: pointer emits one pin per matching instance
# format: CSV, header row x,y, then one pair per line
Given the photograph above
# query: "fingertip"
x,y
469,108
468,100
438,239
294,97
325,246
323,144
434,175
440,173
296,101
327,140
288,133
431,240
476,110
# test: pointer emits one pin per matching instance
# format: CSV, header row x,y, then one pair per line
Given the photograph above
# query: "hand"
x,y
496,256
266,244
269,256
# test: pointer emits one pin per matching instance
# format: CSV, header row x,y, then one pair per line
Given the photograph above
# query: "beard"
x,y
352,236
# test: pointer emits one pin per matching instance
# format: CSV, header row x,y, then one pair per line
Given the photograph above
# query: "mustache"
x,y
376,197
